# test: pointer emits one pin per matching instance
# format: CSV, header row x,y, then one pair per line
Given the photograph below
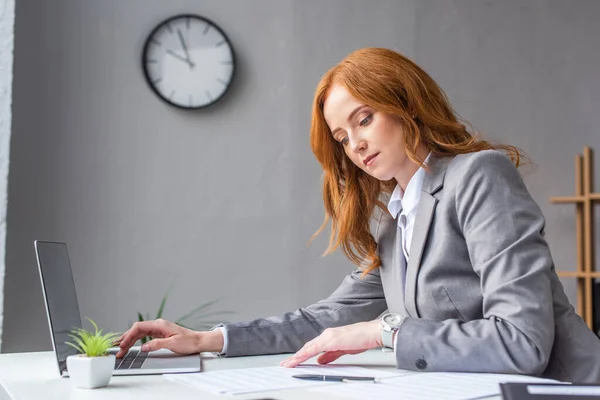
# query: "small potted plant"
x,y
93,367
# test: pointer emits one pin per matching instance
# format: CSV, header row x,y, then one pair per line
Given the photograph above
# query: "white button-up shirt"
x,y
403,206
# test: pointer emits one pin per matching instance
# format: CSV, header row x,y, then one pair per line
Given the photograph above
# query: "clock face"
x,y
188,61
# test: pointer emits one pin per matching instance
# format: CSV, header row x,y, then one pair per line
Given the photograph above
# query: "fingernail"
x,y
145,347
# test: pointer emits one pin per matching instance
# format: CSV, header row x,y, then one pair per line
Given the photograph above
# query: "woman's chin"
x,y
380,176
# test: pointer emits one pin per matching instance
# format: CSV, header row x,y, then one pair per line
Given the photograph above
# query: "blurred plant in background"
x,y
202,317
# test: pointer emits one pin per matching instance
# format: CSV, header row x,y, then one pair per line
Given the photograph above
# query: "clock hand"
x,y
185,50
191,64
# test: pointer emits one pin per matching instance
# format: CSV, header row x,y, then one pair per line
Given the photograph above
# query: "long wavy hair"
x,y
391,83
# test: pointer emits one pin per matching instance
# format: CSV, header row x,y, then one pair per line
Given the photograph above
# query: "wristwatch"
x,y
390,323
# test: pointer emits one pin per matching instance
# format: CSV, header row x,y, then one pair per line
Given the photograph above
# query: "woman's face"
x,y
373,140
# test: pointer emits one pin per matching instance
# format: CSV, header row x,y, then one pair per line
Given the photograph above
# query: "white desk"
x,y
35,376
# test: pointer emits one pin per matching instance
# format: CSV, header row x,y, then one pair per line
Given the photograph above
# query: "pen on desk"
x,y
336,378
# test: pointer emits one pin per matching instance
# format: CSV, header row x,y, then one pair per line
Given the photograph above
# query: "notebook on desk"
x,y
62,310
549,391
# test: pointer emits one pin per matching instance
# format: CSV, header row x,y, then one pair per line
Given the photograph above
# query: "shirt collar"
x,y
407,200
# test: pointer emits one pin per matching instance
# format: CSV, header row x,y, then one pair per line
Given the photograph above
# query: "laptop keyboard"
x,y
132,360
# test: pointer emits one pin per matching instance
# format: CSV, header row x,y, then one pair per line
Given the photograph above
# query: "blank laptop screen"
x,y
61,299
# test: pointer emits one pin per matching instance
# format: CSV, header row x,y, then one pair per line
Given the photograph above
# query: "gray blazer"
x,y
480,293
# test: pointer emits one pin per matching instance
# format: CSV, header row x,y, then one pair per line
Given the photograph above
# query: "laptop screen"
x,y
60,296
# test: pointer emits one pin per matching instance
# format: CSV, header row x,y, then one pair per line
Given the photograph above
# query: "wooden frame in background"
x,y
584,217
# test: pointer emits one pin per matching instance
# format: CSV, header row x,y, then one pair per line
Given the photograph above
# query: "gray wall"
x,y
525,73
7,20
221,203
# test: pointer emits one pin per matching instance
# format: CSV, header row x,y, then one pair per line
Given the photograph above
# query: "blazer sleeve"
x,y
356,299
503,229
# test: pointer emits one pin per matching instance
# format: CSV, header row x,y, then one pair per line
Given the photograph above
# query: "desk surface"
x,y
35,375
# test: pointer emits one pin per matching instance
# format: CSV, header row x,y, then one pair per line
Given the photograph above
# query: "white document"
x,y
430,385
251,380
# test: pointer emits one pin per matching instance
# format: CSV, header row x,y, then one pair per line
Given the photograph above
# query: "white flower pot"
x,y
90,372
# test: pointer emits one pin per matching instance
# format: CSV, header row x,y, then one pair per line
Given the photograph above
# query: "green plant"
x,y
195,319
92,344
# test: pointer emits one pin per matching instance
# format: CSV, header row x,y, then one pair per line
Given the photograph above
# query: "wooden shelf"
x,y
575,274
575,199
584,200
572,199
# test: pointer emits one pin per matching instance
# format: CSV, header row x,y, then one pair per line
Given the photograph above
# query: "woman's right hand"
x,y
168,335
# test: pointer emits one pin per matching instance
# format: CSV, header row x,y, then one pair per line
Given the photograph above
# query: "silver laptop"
x,y
63,316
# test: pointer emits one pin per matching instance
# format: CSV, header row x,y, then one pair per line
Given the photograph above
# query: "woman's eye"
x,y
365,120
344,141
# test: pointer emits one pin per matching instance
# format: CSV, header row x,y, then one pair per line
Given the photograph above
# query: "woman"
x,y
457,256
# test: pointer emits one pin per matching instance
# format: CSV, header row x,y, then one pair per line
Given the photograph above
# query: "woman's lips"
x,y
371,159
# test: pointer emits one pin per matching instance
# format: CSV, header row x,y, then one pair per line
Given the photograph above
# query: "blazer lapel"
x,y
432,182
398,273
394,265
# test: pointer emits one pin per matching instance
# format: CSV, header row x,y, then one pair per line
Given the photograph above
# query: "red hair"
x,y
391,83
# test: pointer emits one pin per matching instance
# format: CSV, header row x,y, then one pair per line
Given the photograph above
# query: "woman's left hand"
x,y
336,342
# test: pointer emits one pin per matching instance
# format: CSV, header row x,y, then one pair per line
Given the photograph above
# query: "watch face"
x,y
392,319
188,61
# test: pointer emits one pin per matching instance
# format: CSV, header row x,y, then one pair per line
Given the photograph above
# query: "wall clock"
x,y
188,61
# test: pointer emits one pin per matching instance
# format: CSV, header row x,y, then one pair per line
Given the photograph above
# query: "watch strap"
x,y
387,337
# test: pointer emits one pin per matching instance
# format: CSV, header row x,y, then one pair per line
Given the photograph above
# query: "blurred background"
x,y
220,203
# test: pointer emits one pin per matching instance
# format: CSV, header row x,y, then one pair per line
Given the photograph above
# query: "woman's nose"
x,y
357,144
